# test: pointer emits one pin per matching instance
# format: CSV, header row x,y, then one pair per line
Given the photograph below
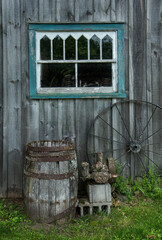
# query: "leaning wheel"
x,y
131,132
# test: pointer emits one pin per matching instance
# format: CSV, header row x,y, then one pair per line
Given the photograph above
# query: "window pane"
x,y
107,47
82,48
58,75
70,48
45,48
94,74
94,47
57,48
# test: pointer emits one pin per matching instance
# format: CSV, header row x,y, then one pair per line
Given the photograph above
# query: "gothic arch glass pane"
x,y
70,48
45,48
94,47
57,48
82,48
107,47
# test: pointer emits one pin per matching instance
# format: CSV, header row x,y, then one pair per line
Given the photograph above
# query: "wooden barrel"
x,y
51,180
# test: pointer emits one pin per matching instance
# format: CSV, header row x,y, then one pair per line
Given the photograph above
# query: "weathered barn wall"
x,y
156,52
1,100
25,120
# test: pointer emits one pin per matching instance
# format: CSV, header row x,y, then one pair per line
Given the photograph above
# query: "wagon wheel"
x,y
131,132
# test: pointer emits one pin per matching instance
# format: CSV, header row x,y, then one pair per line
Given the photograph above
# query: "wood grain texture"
x,y
14,102
4,161
47,10
25,120
102,10
32,107
84,115
47,197
156,65
1,100
121,10
113,11
86,10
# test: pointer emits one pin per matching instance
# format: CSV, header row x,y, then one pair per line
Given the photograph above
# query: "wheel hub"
x,y
135,147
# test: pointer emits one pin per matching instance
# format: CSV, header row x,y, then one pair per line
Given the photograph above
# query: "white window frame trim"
x,y
76,35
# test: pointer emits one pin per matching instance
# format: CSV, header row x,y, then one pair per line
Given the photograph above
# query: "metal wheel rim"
x,y
135,146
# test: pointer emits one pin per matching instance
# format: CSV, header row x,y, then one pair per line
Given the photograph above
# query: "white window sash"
x,y
76,36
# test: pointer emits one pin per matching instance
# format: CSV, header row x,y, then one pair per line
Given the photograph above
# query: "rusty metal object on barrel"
x,y
100,172
101,177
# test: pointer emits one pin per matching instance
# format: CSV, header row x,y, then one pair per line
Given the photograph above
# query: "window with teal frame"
x,y
76,60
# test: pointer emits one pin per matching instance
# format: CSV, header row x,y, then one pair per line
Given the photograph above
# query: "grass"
x,y
138,219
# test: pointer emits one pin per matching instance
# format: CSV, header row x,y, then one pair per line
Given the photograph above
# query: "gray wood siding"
x,y
1,101
25,120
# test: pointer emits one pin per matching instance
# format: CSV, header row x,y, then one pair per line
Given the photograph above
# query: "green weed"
x,y
148,186
139,220
124,187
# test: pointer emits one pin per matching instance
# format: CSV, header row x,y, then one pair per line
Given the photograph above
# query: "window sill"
x,y
74,95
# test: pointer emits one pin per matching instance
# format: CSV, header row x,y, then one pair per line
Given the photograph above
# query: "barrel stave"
x,y
51,180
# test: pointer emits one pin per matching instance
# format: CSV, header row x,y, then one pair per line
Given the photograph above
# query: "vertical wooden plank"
x,y
148,8
46,14
101,128
84,110
24,79
139,49
126,30
102,10
122,15
14,102
68,121
60,118
32,10
42,120
30,117
139,66
113,11
47,10
121,10
31,107
54,117
58,7
156,44
48,120
86,10
156,71
3,166
41,10
67,11
1,88
131,81
76,2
